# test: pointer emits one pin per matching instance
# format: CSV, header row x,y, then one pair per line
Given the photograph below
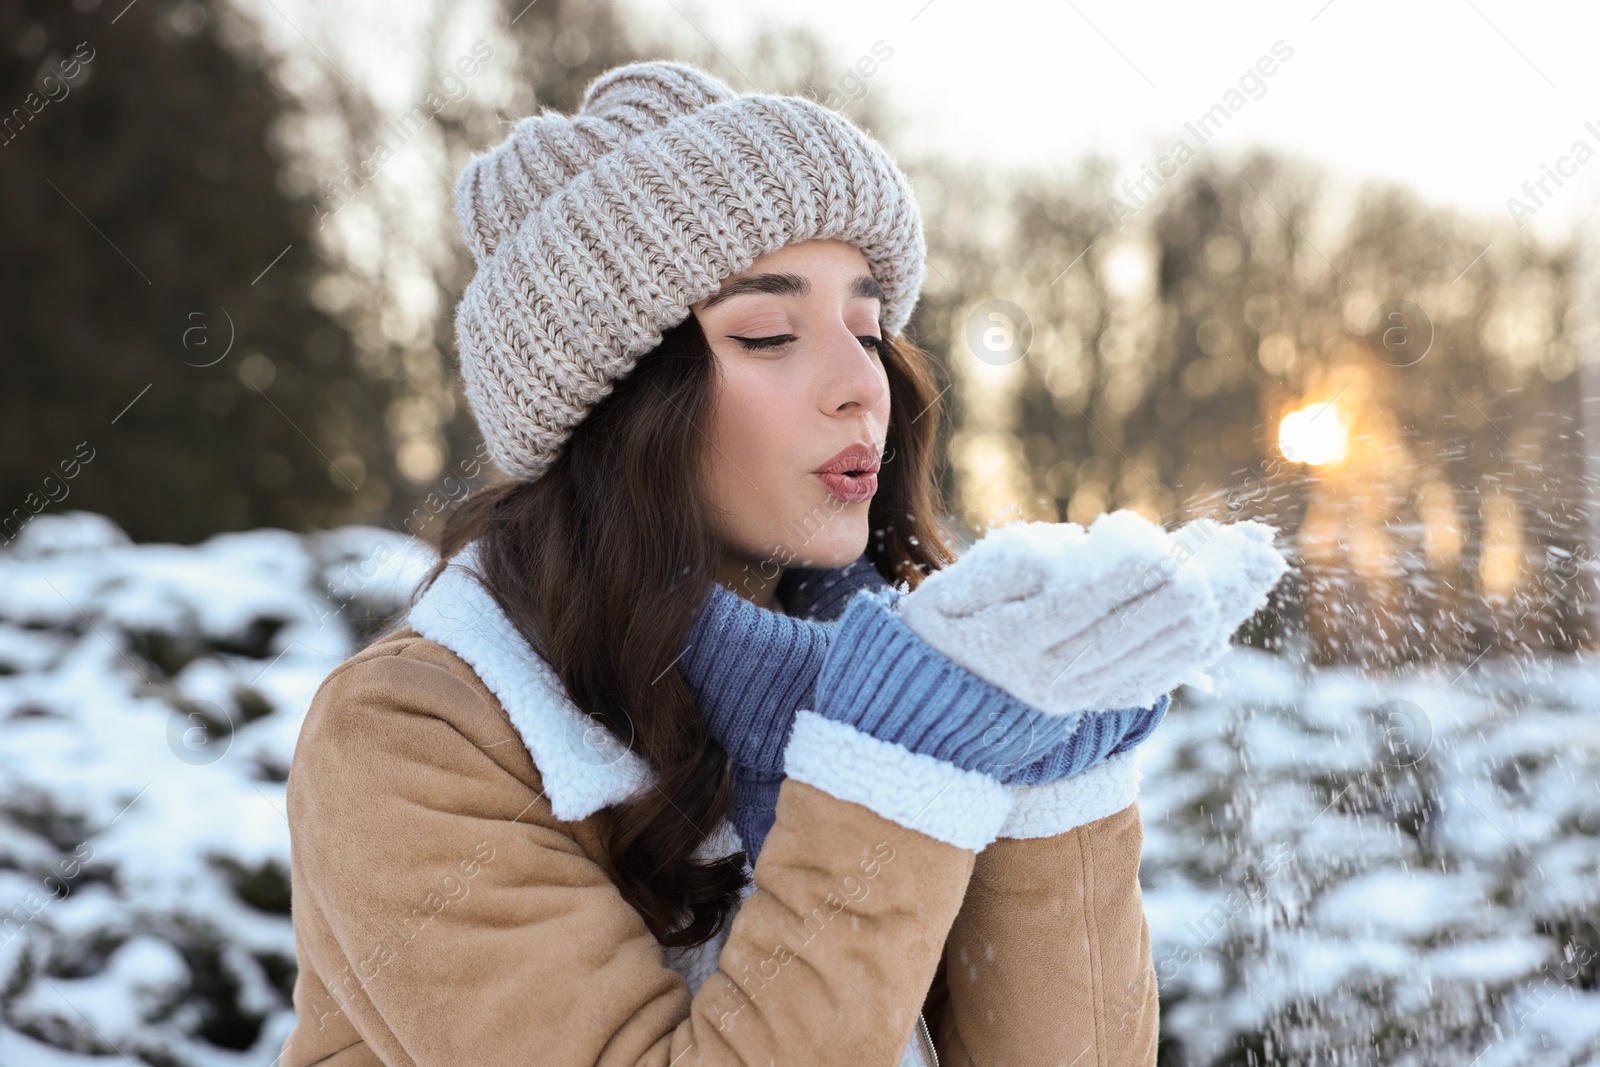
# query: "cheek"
x,y
759,449
755,413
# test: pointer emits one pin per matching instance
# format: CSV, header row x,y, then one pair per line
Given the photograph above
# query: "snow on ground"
x,y
1339,867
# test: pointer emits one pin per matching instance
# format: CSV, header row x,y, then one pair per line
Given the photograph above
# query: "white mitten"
x,y
1239,561
1072,620
1067,619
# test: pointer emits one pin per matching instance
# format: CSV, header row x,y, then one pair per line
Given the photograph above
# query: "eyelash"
x,y
756,343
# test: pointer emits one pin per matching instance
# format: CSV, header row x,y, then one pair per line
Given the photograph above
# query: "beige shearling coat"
x,y
448,811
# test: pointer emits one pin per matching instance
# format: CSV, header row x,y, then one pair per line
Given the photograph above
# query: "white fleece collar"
x,y
583,765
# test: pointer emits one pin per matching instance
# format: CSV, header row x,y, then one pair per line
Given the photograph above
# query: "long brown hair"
x,y
603,563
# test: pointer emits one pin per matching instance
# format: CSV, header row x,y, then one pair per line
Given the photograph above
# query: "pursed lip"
x,y
862,458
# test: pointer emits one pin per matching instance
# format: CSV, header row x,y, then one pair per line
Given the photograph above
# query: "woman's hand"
x,y
1070,620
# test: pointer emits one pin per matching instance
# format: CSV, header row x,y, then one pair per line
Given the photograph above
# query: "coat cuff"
x,y
921,792
1056,807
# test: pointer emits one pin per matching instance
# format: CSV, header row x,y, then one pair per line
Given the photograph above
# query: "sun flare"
x,y
1314,435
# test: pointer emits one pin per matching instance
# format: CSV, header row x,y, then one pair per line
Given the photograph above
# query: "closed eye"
x,y
756,343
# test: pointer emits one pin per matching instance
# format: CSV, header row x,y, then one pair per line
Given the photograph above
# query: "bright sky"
x,y
1463,100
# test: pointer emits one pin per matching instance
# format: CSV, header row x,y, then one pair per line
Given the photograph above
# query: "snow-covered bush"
x,y
1389,868
150,697
1339,866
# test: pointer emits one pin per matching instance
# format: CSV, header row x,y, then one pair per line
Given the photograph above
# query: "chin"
x,y
839,542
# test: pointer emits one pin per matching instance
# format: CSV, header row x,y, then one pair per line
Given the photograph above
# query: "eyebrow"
x,y
786,284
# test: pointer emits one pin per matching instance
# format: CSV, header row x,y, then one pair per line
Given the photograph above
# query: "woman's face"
x,y
800,379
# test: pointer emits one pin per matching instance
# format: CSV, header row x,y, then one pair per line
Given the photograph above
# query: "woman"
x,y
699,746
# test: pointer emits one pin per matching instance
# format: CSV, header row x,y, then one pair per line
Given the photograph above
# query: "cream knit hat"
x,y
594,232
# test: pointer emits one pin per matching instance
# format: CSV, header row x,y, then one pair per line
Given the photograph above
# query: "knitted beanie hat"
x,y
594,232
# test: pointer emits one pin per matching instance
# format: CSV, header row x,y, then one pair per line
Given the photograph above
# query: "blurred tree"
x,y
144,230
544,56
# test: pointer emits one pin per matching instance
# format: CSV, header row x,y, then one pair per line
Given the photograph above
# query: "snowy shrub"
x,y
1340,866
150,697
1377,868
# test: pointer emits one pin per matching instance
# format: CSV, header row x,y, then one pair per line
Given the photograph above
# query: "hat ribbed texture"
x,y
594,232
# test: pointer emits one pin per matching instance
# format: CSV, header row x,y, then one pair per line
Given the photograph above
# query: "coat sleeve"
x,y
1049,959
452,918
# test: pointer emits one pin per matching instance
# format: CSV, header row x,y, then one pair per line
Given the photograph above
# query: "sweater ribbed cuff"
x,y
750,670
1098,735
884,680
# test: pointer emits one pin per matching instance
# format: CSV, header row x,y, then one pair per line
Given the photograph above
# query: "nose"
x,y
856,383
